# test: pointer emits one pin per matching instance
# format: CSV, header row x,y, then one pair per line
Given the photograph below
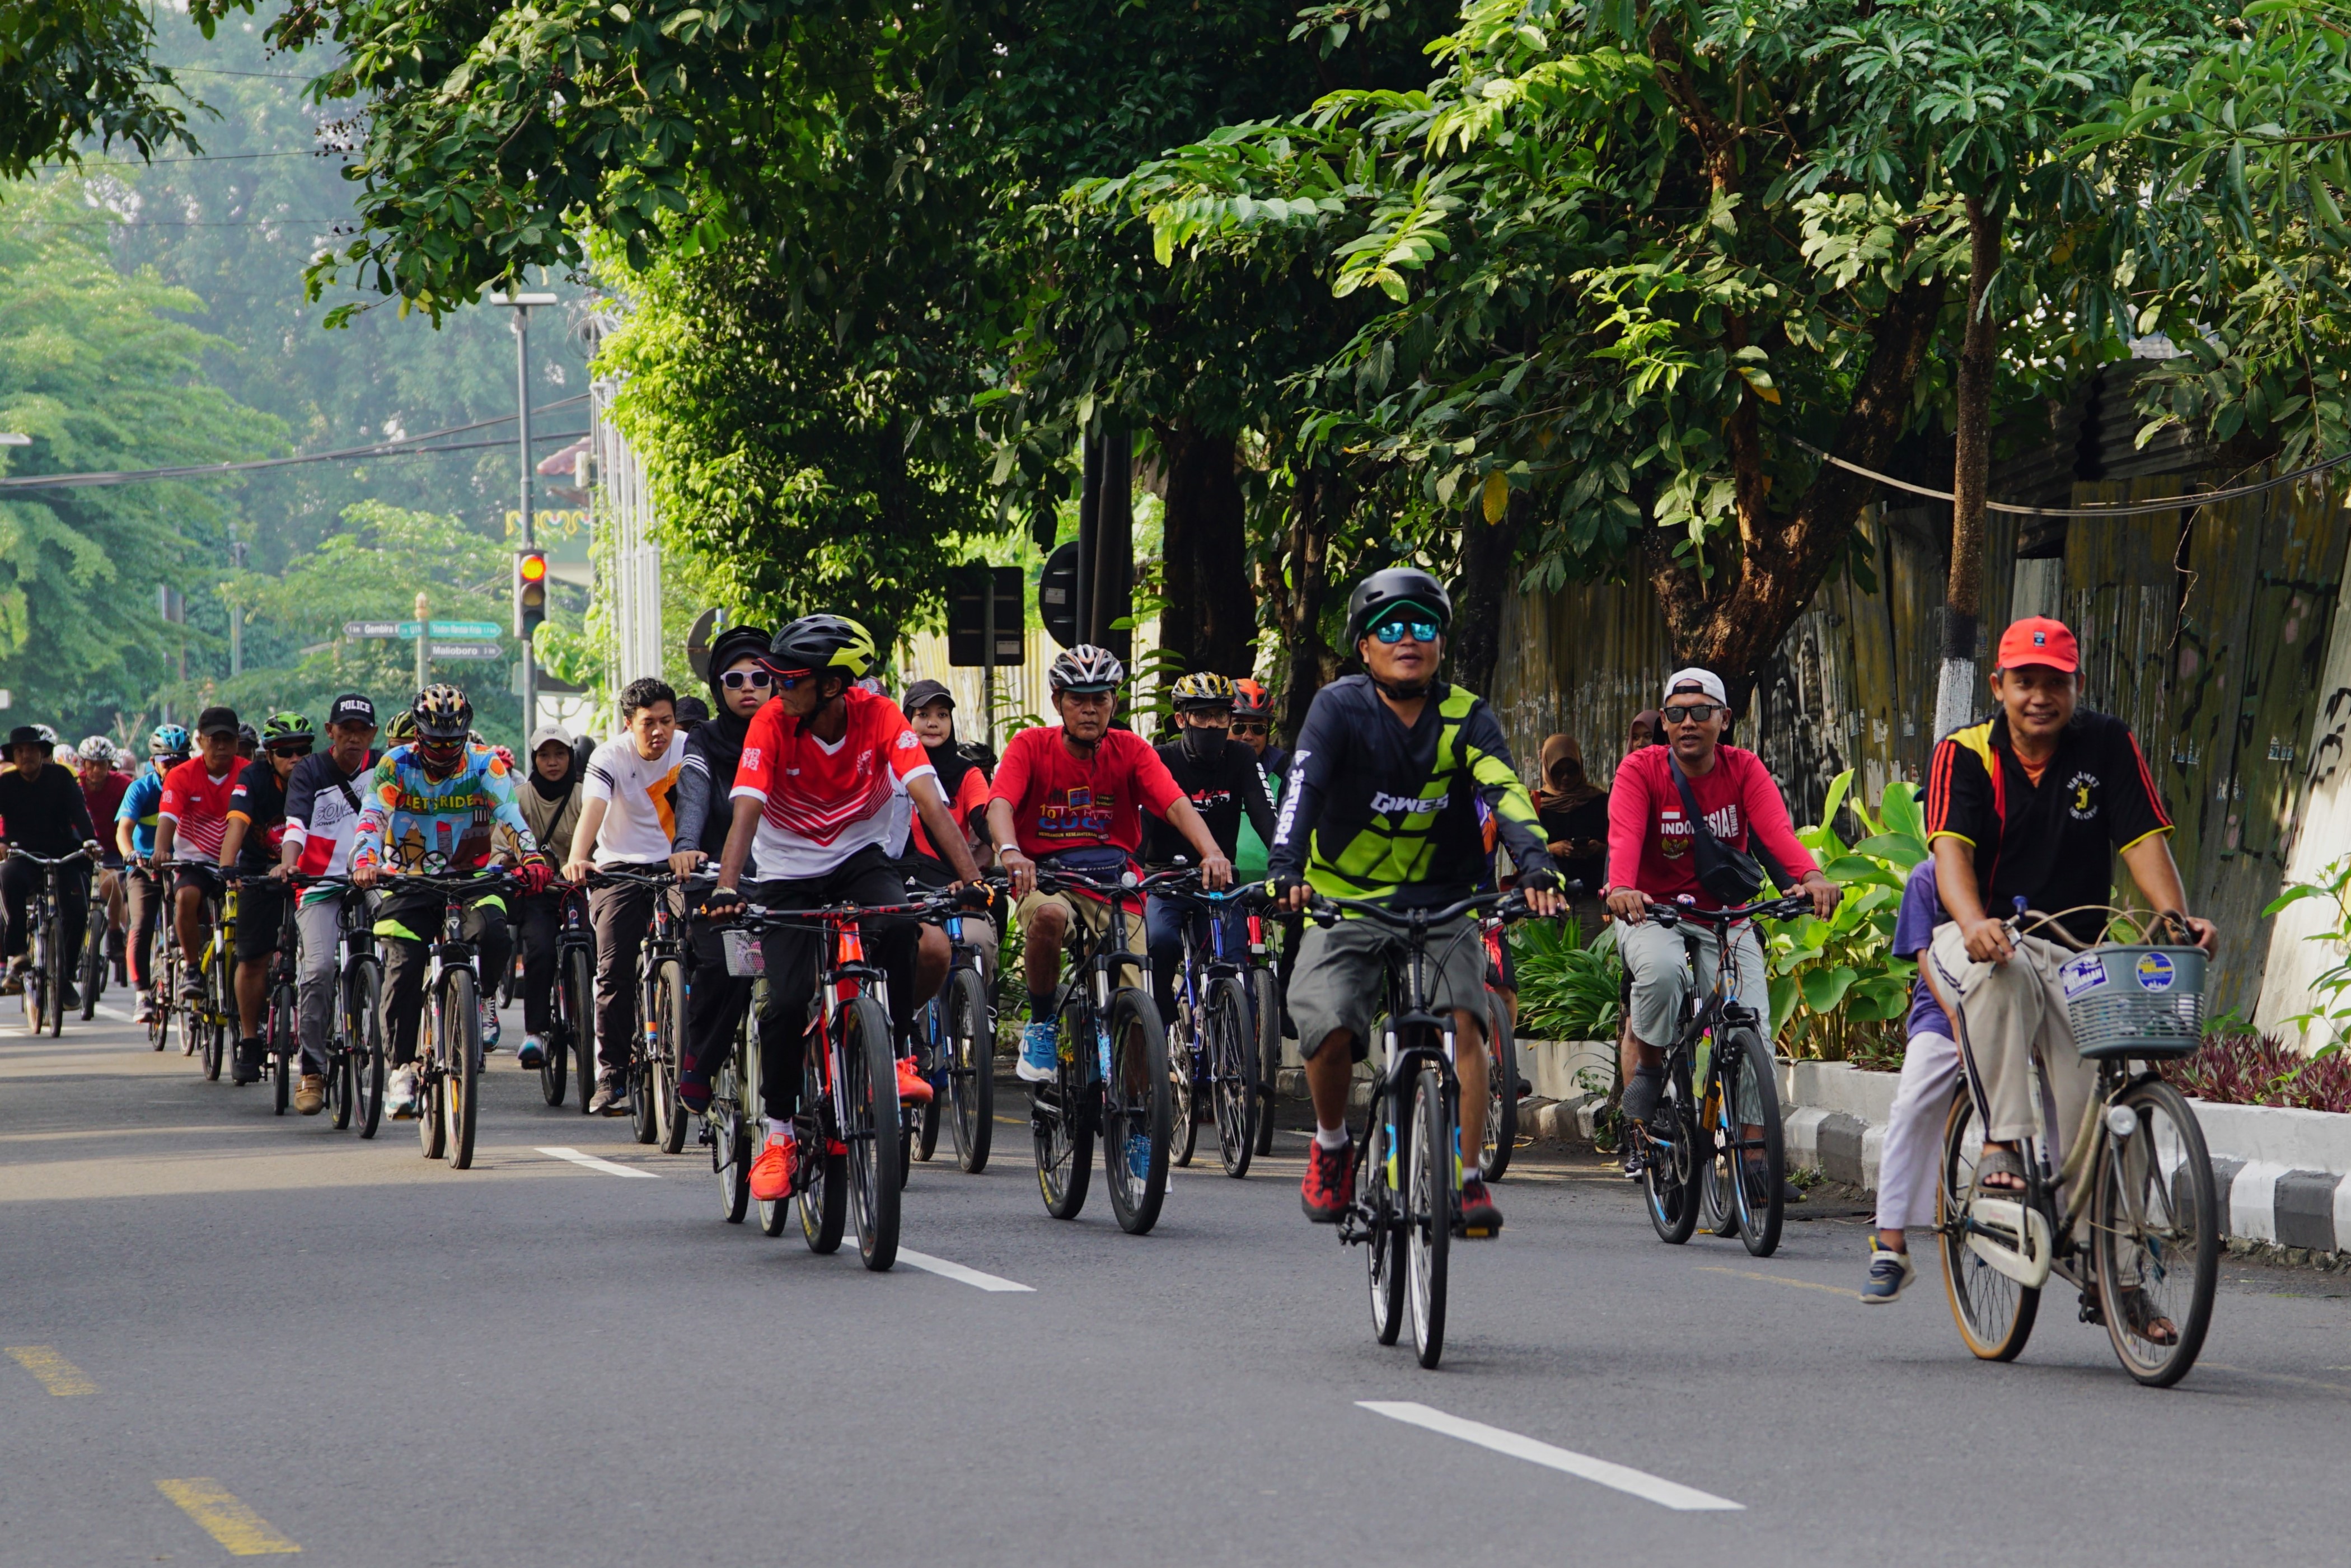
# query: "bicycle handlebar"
x,y
1511,906
16,854
1785,908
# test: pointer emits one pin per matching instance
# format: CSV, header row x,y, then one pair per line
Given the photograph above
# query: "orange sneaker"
x,y
914,1089
771,1173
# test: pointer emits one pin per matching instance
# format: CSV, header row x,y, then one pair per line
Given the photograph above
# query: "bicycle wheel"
x,y
929,1050
1232,1075
869,1068
1717,1204
726,1128
36,979
1137,1114
1501,1138
1383,1248
578,980
971,1069
433,1116
555,1064
92,978
1667,1172
1061,1112
1752,1135
212,1020
1994,1313
644,1101
365,1022
1186,1052
2155,1228
463,1046
1428,1212
824,1191
670,990
1265,1010
284,1050
58,963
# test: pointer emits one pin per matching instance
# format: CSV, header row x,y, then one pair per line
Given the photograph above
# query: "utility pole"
x,y
424,641
236,615
520,304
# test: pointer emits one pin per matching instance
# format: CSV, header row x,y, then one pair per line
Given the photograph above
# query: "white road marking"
x,y
107,1009
593,1163
1622,1478
971,1276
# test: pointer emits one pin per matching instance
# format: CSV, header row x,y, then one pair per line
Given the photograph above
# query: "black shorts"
x,y
205,879
260,912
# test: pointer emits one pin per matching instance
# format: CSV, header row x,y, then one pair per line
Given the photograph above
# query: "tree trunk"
x,y
1956,692
1210,620
1489,551
1734,622
1294,587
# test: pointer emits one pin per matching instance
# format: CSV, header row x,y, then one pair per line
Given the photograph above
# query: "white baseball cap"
x,y
1706,681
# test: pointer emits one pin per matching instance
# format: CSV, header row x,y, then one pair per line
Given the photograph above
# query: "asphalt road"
x,y
230,1333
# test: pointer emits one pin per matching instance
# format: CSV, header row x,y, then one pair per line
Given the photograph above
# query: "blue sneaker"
x,y
489,1017
1889,1272
1138,1156
1039,1053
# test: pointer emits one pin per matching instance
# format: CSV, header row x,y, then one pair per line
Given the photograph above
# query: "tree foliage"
x,y
74,70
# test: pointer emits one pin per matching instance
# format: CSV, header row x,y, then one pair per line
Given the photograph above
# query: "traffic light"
x,y
530,592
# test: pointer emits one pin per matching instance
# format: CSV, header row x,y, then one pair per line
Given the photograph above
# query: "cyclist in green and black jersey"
x,y
1382,803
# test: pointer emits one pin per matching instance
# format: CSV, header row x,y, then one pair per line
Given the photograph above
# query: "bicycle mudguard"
x,y
1992,1222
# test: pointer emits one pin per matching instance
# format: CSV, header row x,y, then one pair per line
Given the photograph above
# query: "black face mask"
x,y
1205,744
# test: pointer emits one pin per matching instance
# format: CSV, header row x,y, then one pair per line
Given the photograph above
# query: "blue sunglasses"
x,y
1391,633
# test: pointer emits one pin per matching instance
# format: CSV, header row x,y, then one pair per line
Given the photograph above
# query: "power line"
x,y
2110,509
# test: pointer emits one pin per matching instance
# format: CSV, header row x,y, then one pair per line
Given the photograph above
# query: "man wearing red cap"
x,y
2028,808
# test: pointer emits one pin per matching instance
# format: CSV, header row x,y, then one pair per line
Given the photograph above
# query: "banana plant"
x,y
1836,985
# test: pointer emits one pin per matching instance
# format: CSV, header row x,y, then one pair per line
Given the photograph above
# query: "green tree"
x,y
74,69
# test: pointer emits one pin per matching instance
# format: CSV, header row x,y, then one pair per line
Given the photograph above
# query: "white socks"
x,y
779,1132
1331,1137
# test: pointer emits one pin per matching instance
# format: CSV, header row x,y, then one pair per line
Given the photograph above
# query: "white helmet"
x,y
98,749
64,753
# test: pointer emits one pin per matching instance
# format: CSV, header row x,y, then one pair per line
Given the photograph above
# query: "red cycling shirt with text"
x,y
198,804
1062,802
1649,834
820,803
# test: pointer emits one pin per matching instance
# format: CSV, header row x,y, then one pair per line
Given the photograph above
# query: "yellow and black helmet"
x,y
822,643
441,712
1204,689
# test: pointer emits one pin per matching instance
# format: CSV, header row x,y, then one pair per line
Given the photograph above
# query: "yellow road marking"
x,y
238,1528
1782,1280
58,1375
2279,1376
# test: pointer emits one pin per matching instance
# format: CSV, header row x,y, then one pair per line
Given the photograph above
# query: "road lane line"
x,y
971,1276
1850,1295
108,1009
239,1529
1620,1478
593,1163
58,1375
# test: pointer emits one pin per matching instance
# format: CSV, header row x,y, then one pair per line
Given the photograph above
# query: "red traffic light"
x,y
531,566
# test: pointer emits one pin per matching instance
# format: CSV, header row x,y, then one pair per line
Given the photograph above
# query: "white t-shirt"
x,y
638,823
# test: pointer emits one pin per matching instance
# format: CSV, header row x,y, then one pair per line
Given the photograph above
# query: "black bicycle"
x,y
45,975
571,1033
654,1111
1213,1038
1111,1075
1407,1174
281,1029
1715,1137
449,1032
354,1048
97,931
954,1047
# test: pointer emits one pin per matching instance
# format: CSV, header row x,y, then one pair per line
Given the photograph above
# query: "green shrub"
x,y
1567,989
1837,990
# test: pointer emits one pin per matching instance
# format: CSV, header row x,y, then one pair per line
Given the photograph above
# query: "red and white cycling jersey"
x,y
821,803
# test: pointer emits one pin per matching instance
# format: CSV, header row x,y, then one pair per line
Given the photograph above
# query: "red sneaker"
x,y
1324,1193
771,1173
1479,1218
914,1089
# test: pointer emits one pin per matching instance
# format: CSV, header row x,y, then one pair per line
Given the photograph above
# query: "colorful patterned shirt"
x,y
409,823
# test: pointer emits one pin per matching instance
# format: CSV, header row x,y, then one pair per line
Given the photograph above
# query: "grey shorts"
x,y
1340,979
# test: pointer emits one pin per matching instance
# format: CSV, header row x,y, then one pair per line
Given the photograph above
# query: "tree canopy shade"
x,y
73,71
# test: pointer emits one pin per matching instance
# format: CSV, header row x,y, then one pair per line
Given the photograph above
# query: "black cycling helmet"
x,y
1385,590
824,644
442,713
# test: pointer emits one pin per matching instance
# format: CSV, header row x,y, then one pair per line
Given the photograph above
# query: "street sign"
x,y
467,651
375,629
409,629
464,629
967,614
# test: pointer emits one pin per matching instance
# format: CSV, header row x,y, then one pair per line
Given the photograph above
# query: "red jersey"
x,y
971,798
1060,802
198,803
821,803
105,799
1649,834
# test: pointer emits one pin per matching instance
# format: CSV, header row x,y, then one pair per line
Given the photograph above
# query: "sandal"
x,y
2000,1163
2140,1316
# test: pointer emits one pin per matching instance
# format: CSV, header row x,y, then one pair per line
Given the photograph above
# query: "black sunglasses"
x,y
290,748
1691,713
1248,727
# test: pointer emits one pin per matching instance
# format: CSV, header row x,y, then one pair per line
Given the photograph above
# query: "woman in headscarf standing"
x,y
1574,815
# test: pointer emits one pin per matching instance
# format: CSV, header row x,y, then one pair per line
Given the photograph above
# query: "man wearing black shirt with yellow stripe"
x,y
1224,782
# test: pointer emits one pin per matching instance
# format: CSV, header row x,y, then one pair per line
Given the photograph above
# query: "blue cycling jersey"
x,y
139,804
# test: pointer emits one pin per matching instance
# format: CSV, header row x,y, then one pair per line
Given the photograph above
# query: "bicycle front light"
x,y
2121,1121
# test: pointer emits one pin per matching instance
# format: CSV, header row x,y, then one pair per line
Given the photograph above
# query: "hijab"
x,y
951,763
720,736
1650,719
560,787
1564,785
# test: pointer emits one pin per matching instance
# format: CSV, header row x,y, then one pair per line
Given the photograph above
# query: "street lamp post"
x,y
521,305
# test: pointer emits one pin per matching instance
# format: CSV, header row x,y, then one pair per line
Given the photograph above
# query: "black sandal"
x,y
2001,1161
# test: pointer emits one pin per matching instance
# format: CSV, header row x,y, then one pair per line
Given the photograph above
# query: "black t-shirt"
x,y
259,799
44,814
1578,824
2053,843
1221,792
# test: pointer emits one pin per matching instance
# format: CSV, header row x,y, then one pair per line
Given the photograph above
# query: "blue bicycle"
x,y
1212,1039
954,1047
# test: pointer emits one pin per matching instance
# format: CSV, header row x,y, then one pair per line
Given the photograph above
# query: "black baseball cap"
x,y
216,721
922,693
353,708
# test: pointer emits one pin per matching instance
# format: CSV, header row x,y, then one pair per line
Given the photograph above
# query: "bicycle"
x,y
571,1032
45,974
1214,1042
728,1127
1723,1148
354,1048
654,1113
954,1047
2136,1172
212,1022
281,1029
161,969
91,977
449,1032
1501,1066
1406,1167
1265,1008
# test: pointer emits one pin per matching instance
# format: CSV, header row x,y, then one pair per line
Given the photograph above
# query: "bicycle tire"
x,y
285,1049
433,1116
92,976
1232,1075
670,983
215,1035
645,1102
726,1126
1428,1213
2184,1202
1061,1112
971,1069
868,1065
34,995
1668,1171
1265,1010
1717,1204
340,1081
930,1028
1383,1248
1758,1172
1995,1313
824,1192
462,1063
579,981
55,1020
1502,1131
1186,1052
1138,1055
366,1017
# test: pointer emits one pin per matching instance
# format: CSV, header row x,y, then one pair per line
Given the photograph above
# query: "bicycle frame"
x,y
1414,1038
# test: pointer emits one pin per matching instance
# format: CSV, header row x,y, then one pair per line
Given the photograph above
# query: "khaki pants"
x,y
2007,1010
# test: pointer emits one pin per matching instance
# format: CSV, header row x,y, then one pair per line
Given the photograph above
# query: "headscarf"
x,y
951,763
557,788
1648,719
720,738
1564,785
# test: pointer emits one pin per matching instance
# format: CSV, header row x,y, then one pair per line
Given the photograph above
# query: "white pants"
x,y
1914,1132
